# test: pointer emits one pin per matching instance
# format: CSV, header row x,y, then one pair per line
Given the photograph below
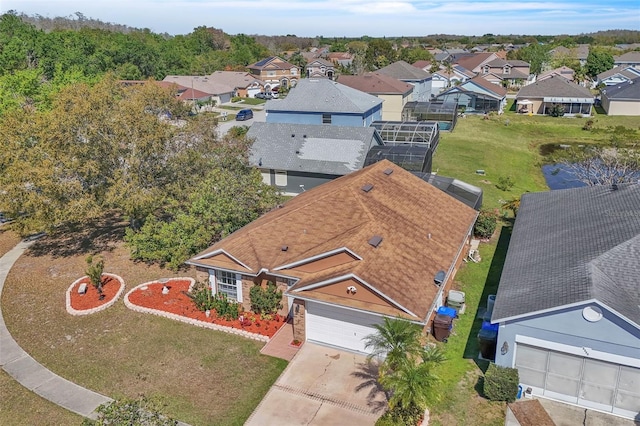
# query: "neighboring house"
x,y
322,101
321,68
275,71
375,243
476,61
582,53
423,65
568,305
196,85
563,71
617,75
393,92
509,73
297,157
245,85
476,96
344,59
540,97
419,79
623,99
579,52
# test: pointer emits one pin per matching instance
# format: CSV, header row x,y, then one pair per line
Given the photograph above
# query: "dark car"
x,y
244,114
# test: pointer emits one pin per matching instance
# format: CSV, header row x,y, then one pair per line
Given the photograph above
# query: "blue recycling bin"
x,y
486,325
450,312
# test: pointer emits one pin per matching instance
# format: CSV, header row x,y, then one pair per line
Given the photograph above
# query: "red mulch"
x,y
90,300
177,302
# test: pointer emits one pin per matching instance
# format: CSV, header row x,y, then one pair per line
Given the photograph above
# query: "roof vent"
x,y
614,186
375,240
439,278
368,187
284,248
293,135
304,136
388,172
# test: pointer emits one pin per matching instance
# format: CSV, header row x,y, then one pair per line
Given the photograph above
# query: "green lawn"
x,y
197,375
506,145
509,145
462,403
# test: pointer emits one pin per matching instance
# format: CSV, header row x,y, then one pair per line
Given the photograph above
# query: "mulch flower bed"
x,y
90,302
177,302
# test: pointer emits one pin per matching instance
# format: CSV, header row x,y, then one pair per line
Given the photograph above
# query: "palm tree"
x,y
396,340
413,387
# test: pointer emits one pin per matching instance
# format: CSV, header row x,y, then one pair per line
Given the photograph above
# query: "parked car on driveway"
x,y
244,114
264,95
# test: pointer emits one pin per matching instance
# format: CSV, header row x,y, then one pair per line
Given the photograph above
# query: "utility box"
x,y
455,300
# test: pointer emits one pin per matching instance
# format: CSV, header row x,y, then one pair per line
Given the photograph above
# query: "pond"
x,y
558,176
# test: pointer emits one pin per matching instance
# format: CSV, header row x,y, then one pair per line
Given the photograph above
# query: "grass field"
x,y
509,146
200,376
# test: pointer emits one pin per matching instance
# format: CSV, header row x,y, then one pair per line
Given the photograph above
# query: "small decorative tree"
x,y
265,301
94,272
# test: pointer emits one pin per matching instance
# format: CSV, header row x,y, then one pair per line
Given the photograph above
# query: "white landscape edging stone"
x,y
187,320
99,308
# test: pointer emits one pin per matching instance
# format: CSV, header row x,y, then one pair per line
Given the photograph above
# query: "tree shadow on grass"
x,y
472,347
75,239
377,397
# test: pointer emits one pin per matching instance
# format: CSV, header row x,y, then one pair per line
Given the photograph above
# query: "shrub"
x,y
485,224
226,308
140,412
205,301
556,111
265,301
501,383
202,297
94,272
505,183
588,125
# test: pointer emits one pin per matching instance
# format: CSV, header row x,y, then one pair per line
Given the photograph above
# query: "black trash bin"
x,y
487,339
442,327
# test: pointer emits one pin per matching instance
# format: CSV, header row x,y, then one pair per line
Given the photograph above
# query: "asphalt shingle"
x,y
573,245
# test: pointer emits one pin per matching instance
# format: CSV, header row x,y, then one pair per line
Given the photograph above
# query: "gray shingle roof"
x,y
323,95
573,245
404,71
334,150
627,91
554,86
623,70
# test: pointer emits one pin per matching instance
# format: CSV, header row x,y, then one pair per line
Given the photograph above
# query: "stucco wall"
x,y
392,107
621,107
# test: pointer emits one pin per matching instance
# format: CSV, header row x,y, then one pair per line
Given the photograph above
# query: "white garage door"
x,y
339,327
584,381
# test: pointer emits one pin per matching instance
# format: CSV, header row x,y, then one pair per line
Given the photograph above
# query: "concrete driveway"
x,y
323,386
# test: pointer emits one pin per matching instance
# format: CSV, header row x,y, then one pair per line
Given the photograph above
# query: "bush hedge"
x,y
501,383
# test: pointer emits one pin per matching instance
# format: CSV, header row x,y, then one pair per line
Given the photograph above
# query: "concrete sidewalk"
x,y
33,375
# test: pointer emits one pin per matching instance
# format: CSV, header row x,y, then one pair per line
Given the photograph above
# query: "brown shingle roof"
x,y
474,61
423,231
375,84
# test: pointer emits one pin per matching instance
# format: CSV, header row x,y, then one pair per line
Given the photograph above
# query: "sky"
x,y
350,18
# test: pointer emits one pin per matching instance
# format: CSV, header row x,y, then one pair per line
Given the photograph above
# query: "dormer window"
x,y
506,69
485,69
